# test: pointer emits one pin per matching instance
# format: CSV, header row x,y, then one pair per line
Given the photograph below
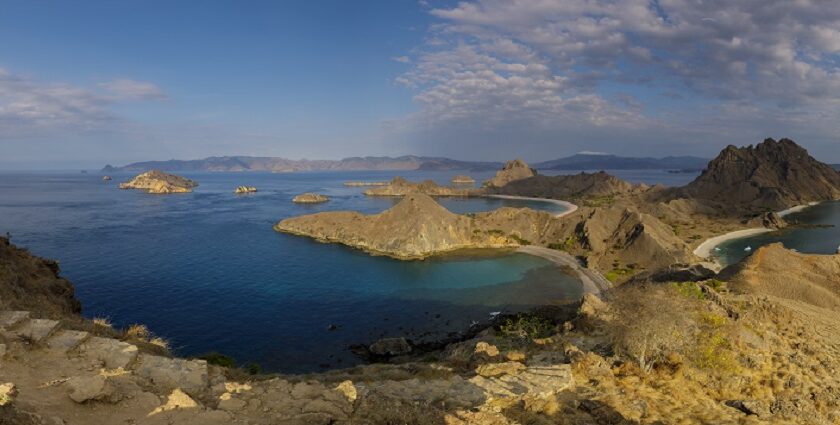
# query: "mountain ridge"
x,y
578,161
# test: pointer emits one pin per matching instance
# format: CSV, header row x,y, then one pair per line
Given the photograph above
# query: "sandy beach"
x,y
570,206
795,209
705,248
593,282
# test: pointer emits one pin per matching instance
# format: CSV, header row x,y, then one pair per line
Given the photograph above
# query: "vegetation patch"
x,y
689,290
618,273
525,328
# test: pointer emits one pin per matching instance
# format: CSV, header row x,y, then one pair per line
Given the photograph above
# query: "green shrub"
x,y
526,328
689,290
219,359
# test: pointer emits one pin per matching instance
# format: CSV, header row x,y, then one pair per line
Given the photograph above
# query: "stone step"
x,y
189,375
8,319
66,340
36,330
111,352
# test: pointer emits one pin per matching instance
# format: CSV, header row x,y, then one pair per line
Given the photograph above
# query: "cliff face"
x,y
583,185
158,182
31,283
399,186
770,176
512,171
418,227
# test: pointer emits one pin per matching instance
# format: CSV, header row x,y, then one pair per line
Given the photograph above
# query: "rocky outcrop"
x,y
158,182
401,187
106,178
774,270
575,186
513,170
462,179
310,198
770,176
32,283
418,227
245,189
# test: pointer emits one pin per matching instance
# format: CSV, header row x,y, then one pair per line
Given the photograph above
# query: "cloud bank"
x,y
609,74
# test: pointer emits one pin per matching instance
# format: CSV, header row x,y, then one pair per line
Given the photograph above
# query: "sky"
x,y
83,84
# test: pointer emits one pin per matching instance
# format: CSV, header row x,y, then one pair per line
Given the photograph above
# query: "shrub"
x,y
102,321
689,290
137,331
526,328
219,359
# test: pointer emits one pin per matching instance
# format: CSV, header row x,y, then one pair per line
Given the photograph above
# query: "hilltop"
x,y
772,175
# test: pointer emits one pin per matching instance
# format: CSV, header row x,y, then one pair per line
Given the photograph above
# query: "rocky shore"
x,y
158,182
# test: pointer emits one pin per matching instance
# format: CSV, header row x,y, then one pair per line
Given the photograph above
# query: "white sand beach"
x,y
570,206
705,248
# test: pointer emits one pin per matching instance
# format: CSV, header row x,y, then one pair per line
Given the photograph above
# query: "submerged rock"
x,y
390,347
310,198
158,182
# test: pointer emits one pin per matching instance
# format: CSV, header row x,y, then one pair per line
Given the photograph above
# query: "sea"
x,y
207,272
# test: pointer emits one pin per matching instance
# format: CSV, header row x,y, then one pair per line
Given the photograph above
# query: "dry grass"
x,y
103,322
138,331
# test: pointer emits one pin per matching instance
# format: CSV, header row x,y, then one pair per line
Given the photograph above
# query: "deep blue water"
x,y
821,236
206,271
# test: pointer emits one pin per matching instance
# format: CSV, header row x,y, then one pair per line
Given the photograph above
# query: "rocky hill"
x,y
571,187
513,170
774,270
769,176
399,186
28,282
158,182
416,227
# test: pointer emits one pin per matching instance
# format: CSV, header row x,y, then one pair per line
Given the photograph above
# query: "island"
x,y
158,182
462,179
244,189
310,198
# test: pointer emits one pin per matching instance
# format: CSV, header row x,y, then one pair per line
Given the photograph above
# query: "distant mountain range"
x,y
582,161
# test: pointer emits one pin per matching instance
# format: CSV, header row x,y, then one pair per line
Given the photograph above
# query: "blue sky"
x,y
85,83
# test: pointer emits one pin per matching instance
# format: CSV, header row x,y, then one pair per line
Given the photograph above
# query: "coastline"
x,y
796,209
570,206
704,250
593,282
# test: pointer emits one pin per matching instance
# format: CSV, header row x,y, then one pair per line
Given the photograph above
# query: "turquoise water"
x,y
206,271
820,235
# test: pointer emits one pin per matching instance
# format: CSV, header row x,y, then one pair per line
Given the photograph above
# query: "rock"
x,y
245,189
85,388
390,347
187,375
512,171
770,220
111,352
348,390
515,356
106,178
310,198
683,273
36,330
461,179
158,182
496,369
592,306
486,349
9,319
8,392
750,407
66,340
176,400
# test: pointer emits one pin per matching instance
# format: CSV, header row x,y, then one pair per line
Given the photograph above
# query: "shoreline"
x,y
593,282
797,208
704,250
570,206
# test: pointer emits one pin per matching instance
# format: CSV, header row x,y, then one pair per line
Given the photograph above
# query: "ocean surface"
x,y
206,271
818,232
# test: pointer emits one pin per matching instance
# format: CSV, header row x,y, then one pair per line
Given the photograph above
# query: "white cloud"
x,y
30,107
131,89
544,66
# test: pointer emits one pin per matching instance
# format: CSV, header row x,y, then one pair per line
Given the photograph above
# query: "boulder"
x,y
85,388
390,347
8,392
245,189
496,369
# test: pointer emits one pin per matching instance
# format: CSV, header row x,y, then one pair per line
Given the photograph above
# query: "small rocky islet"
x,y
310,198
159,182
245,189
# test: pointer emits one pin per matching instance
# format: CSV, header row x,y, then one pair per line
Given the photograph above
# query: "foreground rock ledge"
x,y
158,182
